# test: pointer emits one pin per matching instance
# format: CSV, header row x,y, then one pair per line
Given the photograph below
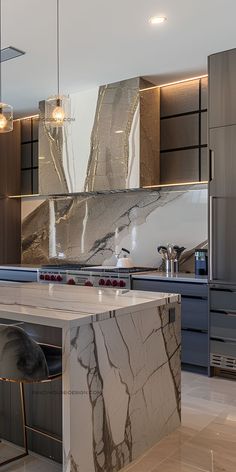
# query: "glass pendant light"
x,y
6,111
57,107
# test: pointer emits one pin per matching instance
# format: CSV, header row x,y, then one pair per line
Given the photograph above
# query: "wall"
x,y
91,228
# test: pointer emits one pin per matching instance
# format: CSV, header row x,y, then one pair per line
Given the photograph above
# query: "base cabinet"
x,y
223,329
194,317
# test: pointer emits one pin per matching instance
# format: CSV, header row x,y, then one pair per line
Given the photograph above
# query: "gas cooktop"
x,y
92,268
117,270
65,266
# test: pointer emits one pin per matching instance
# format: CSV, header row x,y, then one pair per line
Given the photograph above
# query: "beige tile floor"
x,y
205,442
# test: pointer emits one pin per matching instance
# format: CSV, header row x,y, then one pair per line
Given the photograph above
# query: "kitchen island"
x,y
121,367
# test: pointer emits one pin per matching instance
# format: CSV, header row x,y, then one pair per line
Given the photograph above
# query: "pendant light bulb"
x,y
3,122
58,115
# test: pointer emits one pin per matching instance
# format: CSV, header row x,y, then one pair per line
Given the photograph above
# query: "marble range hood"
x,y
113,142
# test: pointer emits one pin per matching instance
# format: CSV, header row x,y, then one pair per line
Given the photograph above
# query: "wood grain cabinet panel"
x,y
222,96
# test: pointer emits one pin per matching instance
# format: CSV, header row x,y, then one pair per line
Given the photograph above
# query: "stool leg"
x,y
23,412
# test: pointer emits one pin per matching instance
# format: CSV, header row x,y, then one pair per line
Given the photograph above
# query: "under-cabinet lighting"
x,y
174,83
27,117
179,184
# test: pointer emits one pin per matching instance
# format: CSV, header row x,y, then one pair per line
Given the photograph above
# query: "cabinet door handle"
x,y
211,249
212,165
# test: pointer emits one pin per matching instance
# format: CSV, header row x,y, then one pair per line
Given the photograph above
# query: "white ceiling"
x,y
107,40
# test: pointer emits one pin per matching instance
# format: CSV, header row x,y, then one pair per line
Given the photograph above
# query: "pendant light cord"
x,y
58,49
0,51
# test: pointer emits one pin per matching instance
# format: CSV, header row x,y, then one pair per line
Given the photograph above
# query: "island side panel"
x,y
124,379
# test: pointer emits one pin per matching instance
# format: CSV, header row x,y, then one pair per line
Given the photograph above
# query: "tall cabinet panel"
x,y
222,214
222,96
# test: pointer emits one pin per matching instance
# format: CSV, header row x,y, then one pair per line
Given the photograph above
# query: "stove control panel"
x,y
85,278
50,276
93,279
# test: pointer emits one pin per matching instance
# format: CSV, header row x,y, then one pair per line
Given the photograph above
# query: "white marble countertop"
x,y
29,267
58,305
179,277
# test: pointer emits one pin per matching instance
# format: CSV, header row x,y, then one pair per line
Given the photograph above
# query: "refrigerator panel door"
x,y
223,240
223,162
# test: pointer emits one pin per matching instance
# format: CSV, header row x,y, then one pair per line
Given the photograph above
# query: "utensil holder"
x,y
171,266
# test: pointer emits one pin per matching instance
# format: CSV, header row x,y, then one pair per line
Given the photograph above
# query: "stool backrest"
x,y
21,358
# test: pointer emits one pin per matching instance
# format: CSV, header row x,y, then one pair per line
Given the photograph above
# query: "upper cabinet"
x,y
222,96
112,142
183,134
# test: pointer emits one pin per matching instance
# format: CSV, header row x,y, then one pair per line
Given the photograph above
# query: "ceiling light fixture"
x,y
6,111
157,20
57,107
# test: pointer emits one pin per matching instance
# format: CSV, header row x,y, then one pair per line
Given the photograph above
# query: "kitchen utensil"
x,y
124,259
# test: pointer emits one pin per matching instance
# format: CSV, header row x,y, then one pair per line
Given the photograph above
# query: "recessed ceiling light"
x,y
156,20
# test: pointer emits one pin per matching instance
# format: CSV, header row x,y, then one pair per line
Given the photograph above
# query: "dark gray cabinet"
x,y
194,318
222,239
223,328
222,204
222,96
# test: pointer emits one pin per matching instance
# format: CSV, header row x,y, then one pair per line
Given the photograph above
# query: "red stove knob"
x,y
108,283
47,277
88,283
114,283
122,283
41,277
101,282
59,278
71,282
53,277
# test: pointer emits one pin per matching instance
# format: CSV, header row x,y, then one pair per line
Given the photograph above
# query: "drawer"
x,y
195,314
223,348
223,300
184,288
223,325
194,348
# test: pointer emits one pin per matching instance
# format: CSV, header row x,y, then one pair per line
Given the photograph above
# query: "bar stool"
x,y
23,360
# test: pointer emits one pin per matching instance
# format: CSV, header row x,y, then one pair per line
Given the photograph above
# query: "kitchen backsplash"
x,y
92,228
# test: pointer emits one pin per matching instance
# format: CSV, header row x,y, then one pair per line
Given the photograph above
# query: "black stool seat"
x,y
53,356
22,360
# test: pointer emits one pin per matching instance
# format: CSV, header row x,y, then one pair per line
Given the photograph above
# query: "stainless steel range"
x,y
90,276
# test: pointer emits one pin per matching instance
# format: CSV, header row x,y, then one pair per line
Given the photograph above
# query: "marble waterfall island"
x,y
121,367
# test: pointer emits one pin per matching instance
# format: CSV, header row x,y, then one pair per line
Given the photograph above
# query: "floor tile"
x,y
31,463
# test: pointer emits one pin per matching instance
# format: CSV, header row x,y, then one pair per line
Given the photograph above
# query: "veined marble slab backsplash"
x,y
92,228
